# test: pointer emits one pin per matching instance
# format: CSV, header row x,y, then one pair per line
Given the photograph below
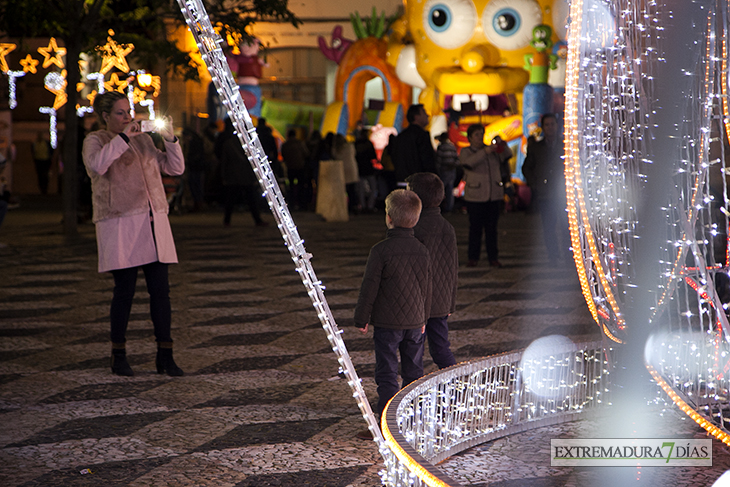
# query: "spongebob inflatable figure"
x,y
467,56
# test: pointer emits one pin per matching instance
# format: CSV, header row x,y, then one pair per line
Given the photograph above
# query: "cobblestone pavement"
x,y
261,402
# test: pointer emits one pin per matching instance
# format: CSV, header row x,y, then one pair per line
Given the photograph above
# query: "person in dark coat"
x,y
439,237
368,185
544,171
413,150
447,163
295,155
268,144
395,298
237,175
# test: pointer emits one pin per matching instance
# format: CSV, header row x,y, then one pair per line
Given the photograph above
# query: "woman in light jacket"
x,y
130,213
484,175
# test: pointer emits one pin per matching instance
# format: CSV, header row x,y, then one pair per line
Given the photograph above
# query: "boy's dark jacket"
x,y
439,237
396,287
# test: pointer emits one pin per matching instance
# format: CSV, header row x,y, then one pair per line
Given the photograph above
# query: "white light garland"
x,y
12,75
51,124
99,78
150,104
209,44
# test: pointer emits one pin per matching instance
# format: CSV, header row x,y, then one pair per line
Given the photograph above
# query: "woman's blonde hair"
x,y
104,103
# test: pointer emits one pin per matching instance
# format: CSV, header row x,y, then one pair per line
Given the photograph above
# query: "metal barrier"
x,y
468,404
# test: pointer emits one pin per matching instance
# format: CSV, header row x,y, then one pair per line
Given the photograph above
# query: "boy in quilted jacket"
x,y
395,298
439,237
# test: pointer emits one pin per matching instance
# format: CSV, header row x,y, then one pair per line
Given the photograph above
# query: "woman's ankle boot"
x,y
120,366
165,363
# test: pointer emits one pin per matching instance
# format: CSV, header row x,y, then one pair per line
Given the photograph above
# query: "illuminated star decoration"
x,y
5,48
52,54
139,95
116,84
56,84
156,84
29,64
113,55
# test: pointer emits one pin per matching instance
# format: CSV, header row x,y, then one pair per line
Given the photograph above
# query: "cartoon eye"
x,y
449,24
508,24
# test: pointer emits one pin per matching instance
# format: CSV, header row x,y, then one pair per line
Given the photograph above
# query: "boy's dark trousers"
x,y
437,331
387,345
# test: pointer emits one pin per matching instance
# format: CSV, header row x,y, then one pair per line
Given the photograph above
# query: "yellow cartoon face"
x,y
467,50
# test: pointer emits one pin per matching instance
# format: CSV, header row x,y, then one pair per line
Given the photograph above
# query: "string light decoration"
x,y
114,55
130,98
150,104
51,112
29,64
606,124
12,76
209,44
56,84
613,51
116,84
5,49
452,410
52,54
690,359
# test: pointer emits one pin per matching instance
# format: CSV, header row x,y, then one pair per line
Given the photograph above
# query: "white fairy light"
x,y
150,104
51,124
12,75
209,44
99,78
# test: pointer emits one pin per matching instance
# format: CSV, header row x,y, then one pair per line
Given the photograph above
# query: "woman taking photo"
x,y
485,174
130,213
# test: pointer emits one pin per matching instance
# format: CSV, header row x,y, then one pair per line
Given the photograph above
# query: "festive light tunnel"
x,y
646,140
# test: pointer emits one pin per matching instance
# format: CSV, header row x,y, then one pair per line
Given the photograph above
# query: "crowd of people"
x,y
408,289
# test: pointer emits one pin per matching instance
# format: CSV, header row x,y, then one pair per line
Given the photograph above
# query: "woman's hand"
x,y
132,129
167,130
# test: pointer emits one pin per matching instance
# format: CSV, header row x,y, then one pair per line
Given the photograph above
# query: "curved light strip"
x,y
574,180
407,460
687,409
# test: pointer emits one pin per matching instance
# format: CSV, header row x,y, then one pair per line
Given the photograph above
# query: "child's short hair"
x,y
403,207
428,187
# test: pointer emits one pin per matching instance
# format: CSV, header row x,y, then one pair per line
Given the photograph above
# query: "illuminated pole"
x,y
209,43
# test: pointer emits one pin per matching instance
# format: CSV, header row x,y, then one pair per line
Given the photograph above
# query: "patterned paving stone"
x,y
268,433
99,427
313,478
119,473
261,402
241,340
253,363
267,395
470,324
134,359
102,391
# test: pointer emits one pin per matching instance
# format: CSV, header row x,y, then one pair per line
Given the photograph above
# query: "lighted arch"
x,y
363,61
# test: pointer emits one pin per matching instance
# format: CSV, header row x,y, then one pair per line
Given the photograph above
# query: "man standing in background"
x,y
413,150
